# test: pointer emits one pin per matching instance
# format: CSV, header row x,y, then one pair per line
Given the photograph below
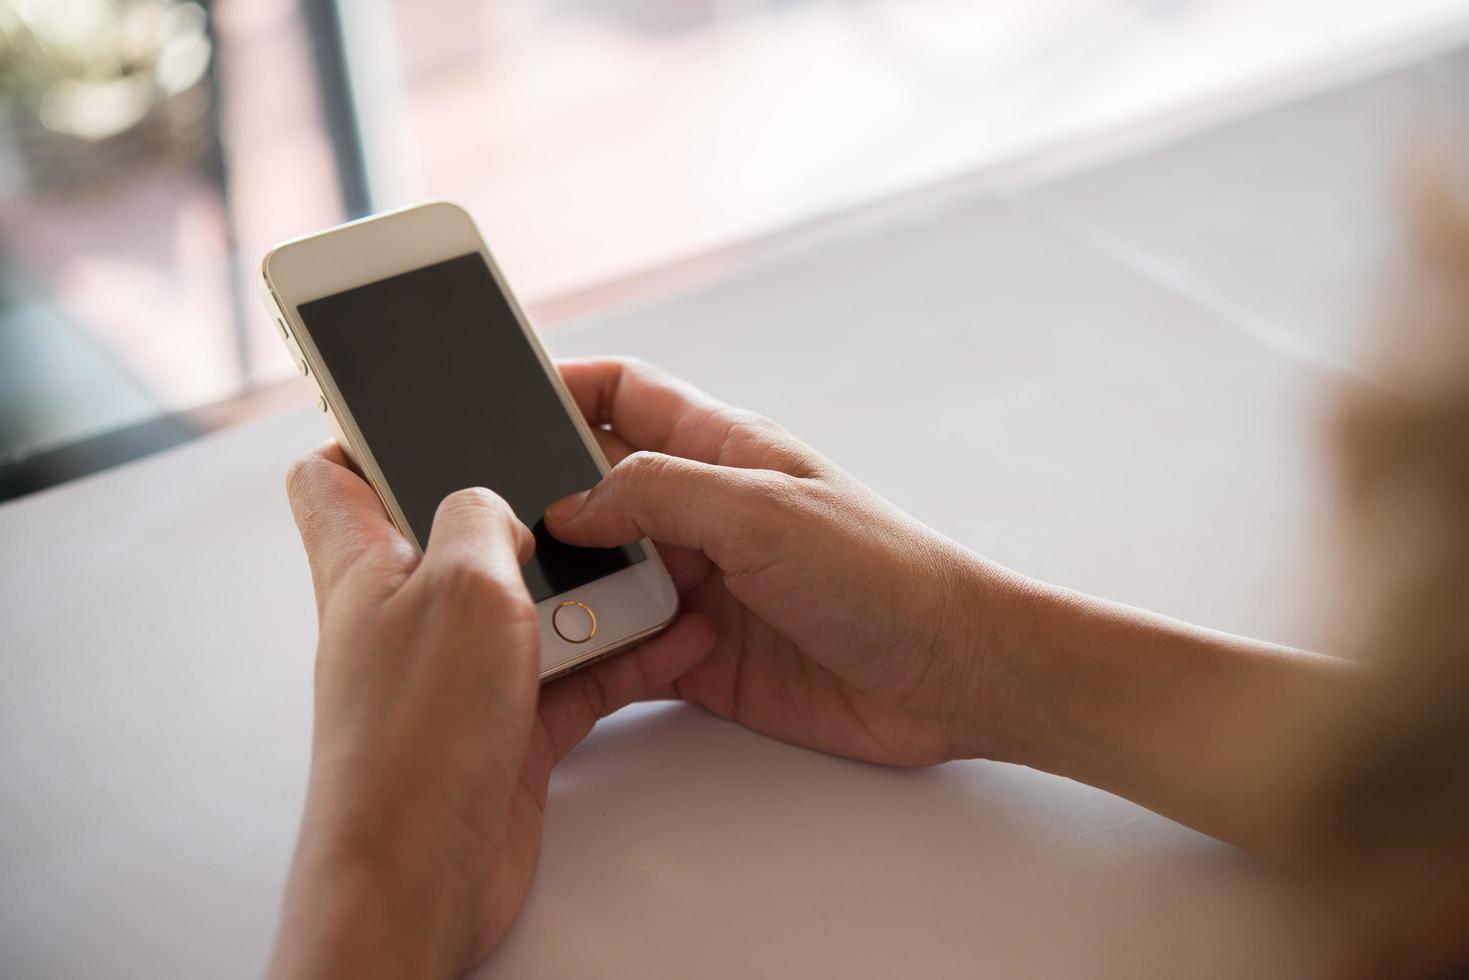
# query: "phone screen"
x,y
449,394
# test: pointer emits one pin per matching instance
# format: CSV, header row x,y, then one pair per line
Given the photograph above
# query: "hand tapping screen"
x,y
449,394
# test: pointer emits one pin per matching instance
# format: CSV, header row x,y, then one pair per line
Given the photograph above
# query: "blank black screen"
x,y
448,393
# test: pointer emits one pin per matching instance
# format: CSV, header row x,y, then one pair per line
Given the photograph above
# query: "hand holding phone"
x,y
431,752
433,381
843,624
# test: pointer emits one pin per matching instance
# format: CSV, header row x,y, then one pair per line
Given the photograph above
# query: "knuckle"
x,y
782,451
632,363
641,467
643,484
750,425
754,421
754,441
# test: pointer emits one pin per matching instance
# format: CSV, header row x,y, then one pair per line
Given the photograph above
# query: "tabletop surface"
x,y
1049,375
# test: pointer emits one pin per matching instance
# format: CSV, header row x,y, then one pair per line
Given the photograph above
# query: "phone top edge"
x,y
290,243
375,247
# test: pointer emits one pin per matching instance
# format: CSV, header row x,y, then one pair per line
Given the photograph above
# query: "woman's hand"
x,y
842,624
430,759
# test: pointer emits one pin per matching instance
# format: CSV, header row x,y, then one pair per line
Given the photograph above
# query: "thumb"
x,y
476,536
669,499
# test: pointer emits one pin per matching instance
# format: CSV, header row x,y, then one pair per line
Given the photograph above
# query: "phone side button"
x,y
574,621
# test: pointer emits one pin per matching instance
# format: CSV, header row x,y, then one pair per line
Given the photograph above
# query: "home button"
x,y
574,621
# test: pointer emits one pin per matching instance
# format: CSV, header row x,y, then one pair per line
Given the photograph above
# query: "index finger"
x,y
339,516
648,408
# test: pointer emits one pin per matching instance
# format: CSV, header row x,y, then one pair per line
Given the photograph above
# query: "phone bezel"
x,y
630,604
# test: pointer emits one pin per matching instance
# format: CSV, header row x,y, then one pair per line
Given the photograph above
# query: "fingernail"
x,y
566,508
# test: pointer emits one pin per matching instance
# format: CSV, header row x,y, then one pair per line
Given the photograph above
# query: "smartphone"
x,y
432,380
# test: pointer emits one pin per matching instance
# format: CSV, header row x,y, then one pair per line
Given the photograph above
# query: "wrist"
x,y
1013,638
355,908
986,604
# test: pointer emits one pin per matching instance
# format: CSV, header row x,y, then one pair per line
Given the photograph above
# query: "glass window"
x,y
152,150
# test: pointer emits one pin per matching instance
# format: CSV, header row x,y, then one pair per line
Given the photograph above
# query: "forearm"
x,y
1205,728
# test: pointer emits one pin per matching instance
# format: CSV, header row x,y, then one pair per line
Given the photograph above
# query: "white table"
x,y
1018,384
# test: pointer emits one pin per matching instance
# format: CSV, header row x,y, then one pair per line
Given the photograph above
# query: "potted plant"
x,y
92,89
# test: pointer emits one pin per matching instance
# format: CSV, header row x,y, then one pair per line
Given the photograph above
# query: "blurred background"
x,y
611,150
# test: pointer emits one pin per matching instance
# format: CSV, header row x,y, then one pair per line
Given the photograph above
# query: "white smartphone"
x,y
433,380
